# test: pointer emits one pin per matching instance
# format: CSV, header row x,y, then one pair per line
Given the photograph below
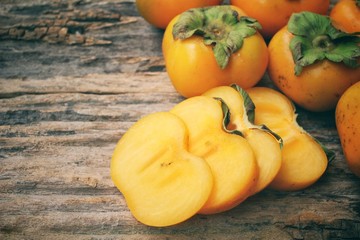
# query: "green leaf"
x,y
345,52
220,27
190,22
296,46
222,54
310,57
251,23
307,24
226,118
248,103
234,41
250,113
276,136
316,39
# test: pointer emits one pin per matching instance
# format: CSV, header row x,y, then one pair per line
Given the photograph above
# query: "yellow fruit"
x,y
265,145
162,182
304,160
347,123
229,156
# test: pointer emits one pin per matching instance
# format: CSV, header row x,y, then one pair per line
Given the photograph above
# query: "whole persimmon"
x,y
347,123
346,15
205,48
274,14
160,12
312,62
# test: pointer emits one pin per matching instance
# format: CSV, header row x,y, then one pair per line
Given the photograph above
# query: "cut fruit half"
x,y
162,182
265,145
229,156
304,160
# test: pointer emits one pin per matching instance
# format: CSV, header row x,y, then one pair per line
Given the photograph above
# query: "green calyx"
x,y
316,39
250,114
248,103
220,26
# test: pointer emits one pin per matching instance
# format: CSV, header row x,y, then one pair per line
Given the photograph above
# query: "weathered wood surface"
x,y
67,96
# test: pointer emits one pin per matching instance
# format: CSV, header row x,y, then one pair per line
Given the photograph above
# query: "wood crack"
x,y
65,26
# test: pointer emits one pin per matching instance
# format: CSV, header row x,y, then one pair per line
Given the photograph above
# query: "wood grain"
x,y
64,106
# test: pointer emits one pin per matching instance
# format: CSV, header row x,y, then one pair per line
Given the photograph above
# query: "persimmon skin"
x,y
193,70
160,12
347,117
318,87
346,16
274,14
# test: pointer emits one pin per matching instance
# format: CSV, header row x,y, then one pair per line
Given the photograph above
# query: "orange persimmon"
x,y
346,15
216,46
313,63
160,12
347,122
274,14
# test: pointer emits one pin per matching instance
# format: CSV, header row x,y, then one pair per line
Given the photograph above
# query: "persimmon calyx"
x,y
226,118
220,26
249,106
316,39
248,103
249,114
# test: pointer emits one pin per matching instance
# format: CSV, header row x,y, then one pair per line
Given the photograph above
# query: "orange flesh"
x,y
229,156
303,159
163,183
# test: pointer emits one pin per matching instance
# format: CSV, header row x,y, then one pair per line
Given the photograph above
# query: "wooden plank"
x,y
73,38
64,106
55,167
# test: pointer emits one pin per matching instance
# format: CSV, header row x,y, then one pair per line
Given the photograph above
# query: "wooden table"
x,y
74,76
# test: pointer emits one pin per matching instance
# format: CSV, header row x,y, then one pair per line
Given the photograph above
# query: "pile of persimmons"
x,y
229,139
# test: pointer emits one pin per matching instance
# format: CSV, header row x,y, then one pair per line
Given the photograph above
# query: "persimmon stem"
x,y
324,42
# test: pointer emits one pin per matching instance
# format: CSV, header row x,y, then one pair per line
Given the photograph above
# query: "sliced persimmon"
x,y
304,162
304,159
163,184
229,156
265,145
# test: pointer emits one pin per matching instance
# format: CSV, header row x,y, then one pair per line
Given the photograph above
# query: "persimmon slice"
x,y
264,144
304,160
163,184
229,156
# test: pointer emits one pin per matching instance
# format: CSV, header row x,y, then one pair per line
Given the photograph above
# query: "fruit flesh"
x,y
264,145
303,159
303,164
163,183
229,156
268,156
